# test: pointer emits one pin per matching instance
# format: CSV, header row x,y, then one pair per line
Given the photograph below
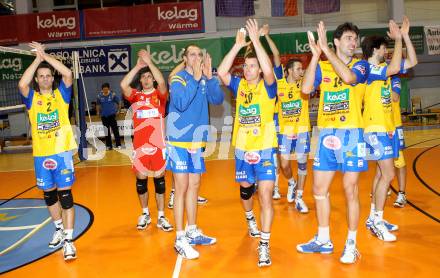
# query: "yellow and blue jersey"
x,y
340,104
292,106
254,128
49,118
396,87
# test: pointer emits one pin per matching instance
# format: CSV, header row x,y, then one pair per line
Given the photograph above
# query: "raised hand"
x,y
240,38
404,29
207,66
197,70
322,36
314,47
264,30
145,56
253,31
394,31
141,63
39,49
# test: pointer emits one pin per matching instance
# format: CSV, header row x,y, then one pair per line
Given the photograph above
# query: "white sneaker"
x,y
164,224
276,193
291,190
264,254
253,227
69,250
143,221
381,232
171,201
401,200
301,206
185,250
57,239
201,200
350,254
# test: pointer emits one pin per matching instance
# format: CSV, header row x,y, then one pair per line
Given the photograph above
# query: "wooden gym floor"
x,y
112,247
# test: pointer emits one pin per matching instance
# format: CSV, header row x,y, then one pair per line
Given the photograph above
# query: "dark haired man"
x,y
52,142
108,105
148,108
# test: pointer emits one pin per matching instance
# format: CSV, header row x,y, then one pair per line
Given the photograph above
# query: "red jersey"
x,y
148,118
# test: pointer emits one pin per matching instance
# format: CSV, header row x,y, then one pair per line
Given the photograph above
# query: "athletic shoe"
x,y
264,254
253,227
390,227
401,200
276,193
185,250
164,224
381,232
314,246
196,237
301,206
57,239
201,200
69,250
291,190
350,254
143,221
171,201
118,148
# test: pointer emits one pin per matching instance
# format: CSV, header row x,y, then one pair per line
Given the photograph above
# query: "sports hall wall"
x,y
423,81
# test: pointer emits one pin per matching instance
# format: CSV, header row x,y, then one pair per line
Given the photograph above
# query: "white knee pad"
x,y
302,164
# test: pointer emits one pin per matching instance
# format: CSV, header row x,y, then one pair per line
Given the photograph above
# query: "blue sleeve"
x,y
65,92
361,69
377,73
233,84
28,100
182,92
271,89
395,84
402,67
215,93
278,72
318,77
116,99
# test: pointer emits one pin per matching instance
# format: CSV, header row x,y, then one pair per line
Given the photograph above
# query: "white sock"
x,y
323,234
249,214
299,194
160,214
378,216
69,234
145,211
265,237
180,234
277,177
352,235
191,227
58,224
372,210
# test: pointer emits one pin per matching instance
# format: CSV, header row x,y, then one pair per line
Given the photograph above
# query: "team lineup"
x,y
359,120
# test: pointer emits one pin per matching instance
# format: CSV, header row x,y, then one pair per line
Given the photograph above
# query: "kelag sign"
x,y
166,55
144,19
102,60
13,65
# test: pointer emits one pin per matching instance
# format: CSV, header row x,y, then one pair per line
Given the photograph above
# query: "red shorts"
x,y
148,160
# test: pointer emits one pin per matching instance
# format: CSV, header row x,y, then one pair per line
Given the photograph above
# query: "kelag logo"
x,y
252,110
291,105
334,97
175,13
54,22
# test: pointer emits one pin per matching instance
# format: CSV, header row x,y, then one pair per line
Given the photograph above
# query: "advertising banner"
x,y
432,35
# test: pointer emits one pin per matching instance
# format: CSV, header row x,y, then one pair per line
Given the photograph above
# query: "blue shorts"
x,y
253,166
183,160
298,143
276,122
54,170
381,145
399,137
341,150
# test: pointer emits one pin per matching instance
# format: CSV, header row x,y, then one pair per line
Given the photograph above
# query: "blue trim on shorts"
x,y
381,146
54,170
399,137
301,144
183,160
341,150
255,166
